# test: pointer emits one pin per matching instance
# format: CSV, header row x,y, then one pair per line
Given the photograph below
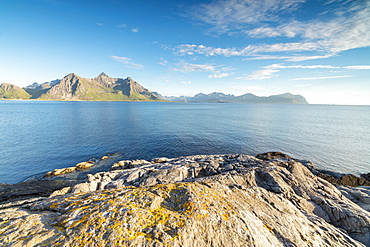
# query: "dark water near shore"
x,y
39,136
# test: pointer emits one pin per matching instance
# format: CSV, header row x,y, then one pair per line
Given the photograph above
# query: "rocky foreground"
x,y
213,200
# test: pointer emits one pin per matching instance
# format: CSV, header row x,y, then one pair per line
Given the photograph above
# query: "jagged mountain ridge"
x,y
286,98
74,87
44,85
102,87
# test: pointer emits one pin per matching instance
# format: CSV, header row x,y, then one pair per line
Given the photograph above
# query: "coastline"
x,y
276,197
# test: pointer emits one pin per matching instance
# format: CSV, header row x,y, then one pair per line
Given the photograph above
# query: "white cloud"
x,y
266,57
280,66
247,88
190,67
358,67
305,58
250,50
348,29
255,50
186,82
321,78
128,62
124,26
163,62
293,58
219,75
303,85
260,74
231,14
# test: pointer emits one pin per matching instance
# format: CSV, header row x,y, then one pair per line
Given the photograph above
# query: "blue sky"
x,y
317,48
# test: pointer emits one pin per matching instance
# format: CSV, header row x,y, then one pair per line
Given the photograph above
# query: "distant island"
x,y
105,88
286,98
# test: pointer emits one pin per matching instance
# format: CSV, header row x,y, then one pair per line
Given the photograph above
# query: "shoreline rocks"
x,y
330,176
201,200
80,166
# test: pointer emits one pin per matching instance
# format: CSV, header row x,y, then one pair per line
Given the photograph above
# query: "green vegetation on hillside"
x,y
101,88
9,91
35,93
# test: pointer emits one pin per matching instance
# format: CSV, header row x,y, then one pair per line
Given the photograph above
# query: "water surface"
x,y
39,136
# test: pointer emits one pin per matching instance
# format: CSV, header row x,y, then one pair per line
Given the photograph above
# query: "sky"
x,y
316,48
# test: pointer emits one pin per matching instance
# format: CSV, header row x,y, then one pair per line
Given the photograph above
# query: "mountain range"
x,y
74,87
105,88
286,98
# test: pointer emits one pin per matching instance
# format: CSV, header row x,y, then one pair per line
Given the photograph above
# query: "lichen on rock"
x,y
203,200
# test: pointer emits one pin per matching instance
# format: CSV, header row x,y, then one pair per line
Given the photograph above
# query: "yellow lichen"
x,y
225,216
268,227
136,215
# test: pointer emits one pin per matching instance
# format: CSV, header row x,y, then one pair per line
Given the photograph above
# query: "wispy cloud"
x,y
260,74
358,67
124,26
321,78
219,75
233,14
247,88
346,29
281,66
253,51
128,62
100,24
186,82
191,67
164,62
303,85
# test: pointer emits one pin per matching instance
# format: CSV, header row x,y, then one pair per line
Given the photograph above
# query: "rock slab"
x,y
213,200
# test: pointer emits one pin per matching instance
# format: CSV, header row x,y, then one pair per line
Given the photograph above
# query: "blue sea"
x,y
39,136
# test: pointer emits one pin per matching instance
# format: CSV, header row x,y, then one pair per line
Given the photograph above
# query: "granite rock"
x,y
61,171
85,165
202,200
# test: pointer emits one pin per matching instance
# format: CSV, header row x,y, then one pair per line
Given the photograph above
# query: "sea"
x,y
39,136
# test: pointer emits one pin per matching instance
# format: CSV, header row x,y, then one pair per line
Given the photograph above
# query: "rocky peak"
x,y
7,86
70,75
103,74
130,80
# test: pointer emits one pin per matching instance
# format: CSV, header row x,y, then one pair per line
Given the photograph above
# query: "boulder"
x,y
273,155
160,160
347,180
85,165
366,176
61,171
127,164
